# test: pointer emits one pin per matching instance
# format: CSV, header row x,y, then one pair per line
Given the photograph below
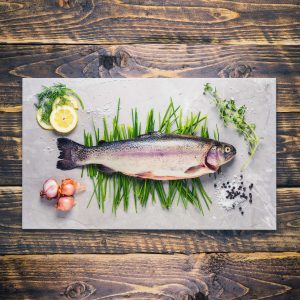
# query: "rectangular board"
x,y
100,97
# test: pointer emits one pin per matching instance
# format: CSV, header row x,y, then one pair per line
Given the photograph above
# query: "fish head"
x,y
219,154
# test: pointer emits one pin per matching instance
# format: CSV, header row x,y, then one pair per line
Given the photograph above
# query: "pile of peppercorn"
x,y
237,191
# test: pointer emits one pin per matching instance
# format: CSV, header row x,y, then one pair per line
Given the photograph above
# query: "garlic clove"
x,y
50,189
65,203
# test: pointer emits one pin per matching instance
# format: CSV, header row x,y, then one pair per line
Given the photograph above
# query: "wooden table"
x,y
150,38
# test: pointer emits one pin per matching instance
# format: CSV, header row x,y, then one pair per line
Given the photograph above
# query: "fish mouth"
x,y
233,151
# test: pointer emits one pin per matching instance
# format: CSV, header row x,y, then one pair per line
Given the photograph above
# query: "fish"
x,y
156,156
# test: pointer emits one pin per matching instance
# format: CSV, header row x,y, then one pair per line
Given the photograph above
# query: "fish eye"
x,y
227,149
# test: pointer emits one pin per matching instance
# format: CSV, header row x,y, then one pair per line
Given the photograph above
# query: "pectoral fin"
x,y
193,169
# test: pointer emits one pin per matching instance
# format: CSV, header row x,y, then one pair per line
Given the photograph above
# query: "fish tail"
x,y
70,154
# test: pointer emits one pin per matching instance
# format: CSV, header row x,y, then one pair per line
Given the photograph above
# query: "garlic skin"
x,y
80,187
65,203
50,189
69,187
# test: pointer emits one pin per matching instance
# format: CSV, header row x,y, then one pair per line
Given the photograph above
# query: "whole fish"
x,y
155,156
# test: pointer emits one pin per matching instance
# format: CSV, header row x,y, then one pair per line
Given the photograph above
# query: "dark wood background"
x,y
150,38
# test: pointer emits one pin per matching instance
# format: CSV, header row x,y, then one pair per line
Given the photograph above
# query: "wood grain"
x,y
234,39
281,62
146,276
149,21
14,240
288,138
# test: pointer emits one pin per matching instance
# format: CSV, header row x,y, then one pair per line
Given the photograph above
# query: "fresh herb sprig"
x,y
49,94
189,191
236,116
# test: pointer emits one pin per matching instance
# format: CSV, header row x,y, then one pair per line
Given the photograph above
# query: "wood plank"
x,y
282,62
150,21
14,240
148,276
288,138
288,156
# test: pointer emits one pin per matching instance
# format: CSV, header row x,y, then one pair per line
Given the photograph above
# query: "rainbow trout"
x,y
155,156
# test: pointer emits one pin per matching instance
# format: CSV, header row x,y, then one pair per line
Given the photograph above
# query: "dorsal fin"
x,y
149,134
100,143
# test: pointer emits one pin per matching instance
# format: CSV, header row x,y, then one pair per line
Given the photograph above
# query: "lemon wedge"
x,y
43,124
64,118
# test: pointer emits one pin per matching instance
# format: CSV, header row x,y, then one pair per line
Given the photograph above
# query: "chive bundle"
x,y
187,191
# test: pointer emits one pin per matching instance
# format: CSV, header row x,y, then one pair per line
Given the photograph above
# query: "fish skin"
x,y
154,156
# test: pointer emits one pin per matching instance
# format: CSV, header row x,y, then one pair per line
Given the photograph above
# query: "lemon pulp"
x,y
63,118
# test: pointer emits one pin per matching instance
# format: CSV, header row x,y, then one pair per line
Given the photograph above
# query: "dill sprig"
x,y
49,94
189,191
236,116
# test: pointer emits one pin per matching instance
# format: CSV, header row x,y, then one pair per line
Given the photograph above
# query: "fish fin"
x,y
167,178
105,169
144,174
66,165
149,134
69,153
193,169
150,175
100,143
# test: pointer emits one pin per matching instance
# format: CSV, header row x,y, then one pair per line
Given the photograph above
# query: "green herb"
x,y
189,191
235,115
49,94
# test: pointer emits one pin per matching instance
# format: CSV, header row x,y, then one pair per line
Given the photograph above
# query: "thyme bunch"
x,y
235,115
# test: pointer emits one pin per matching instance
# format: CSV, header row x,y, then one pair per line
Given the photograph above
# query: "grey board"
x,y
100,97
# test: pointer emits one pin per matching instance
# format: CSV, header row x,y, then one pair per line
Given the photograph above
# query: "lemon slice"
x,y
63,118
41,122
72,101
